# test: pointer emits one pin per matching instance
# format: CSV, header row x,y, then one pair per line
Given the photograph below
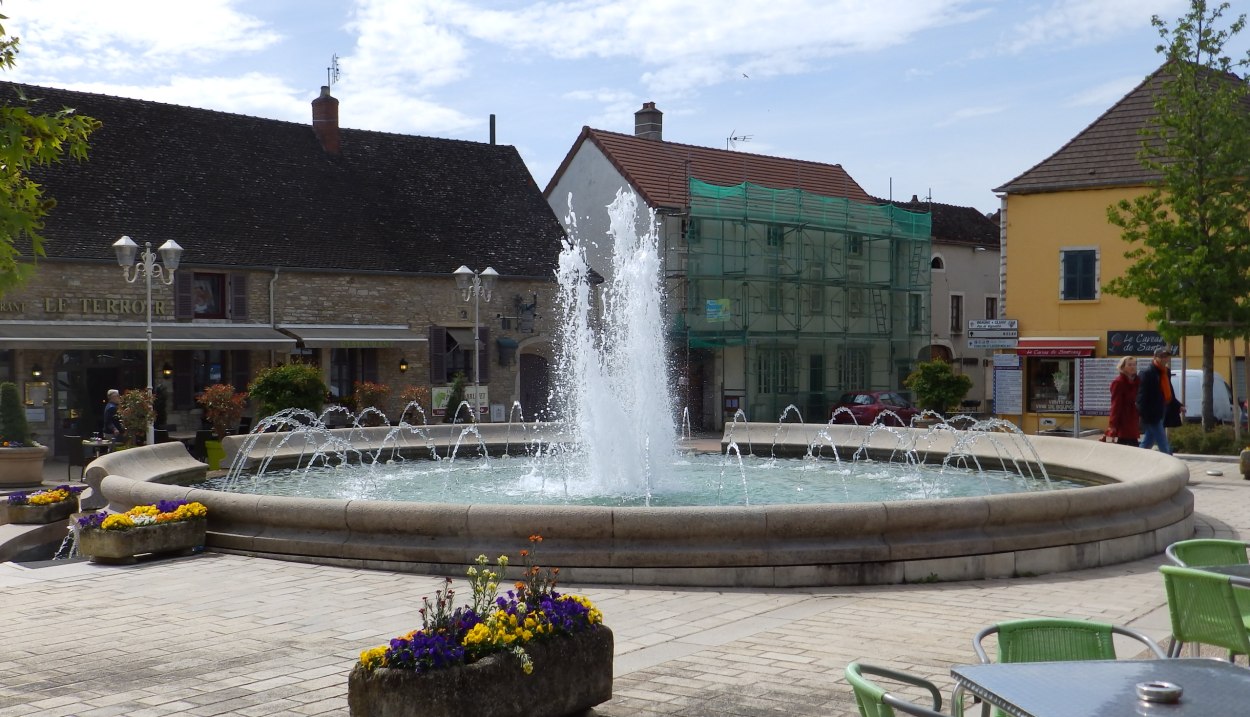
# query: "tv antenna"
x,y
332,72
733,139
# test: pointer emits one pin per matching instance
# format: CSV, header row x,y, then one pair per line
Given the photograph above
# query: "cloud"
x,y
967,113
1104,95
1081,22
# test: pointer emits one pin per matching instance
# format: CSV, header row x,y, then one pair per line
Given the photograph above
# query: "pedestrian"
x,y
112,424
1123,425
1156,400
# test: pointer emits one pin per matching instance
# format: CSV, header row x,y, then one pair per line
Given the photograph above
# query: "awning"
x,y
128,335
1057,346
366,336
507,343
464,337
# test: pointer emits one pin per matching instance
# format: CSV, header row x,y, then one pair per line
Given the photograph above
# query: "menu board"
x,y
1096,377
1008,391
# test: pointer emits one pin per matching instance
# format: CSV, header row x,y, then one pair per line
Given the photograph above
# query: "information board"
x,y
1096,377
1008,391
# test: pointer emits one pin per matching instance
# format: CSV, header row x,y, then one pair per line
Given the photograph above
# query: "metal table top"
x,y
1107,688
1236,571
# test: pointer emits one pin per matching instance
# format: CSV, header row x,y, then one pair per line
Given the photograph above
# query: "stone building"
x,y
317,244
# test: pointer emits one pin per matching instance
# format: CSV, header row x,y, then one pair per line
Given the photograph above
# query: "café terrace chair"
x,y
1202,552
1046,639
874,701
1203,608
76,457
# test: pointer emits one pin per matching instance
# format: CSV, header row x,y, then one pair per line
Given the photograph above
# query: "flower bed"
x,y
532,652
44,506
168,526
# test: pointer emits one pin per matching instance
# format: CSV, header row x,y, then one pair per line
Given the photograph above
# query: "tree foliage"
x,y
1189,237
293,385
13,426
28,140
937,387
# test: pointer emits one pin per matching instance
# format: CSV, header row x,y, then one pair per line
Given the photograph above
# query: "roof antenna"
x,y
731,142
332,72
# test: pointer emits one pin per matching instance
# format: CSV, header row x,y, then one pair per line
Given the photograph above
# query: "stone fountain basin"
x,y
1138,506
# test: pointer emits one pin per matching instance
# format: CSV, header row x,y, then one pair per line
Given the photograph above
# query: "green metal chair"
x,y
875,701
1204,609
1202,552
1054,640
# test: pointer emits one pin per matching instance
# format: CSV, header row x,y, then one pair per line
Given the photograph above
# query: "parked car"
x,y
865,406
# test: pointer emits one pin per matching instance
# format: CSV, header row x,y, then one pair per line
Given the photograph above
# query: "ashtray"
x,y
1158,691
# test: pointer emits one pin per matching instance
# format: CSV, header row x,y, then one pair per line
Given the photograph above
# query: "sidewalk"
x,y
228,635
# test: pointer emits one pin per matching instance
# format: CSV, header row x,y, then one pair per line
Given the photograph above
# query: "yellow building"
x,y
1059,251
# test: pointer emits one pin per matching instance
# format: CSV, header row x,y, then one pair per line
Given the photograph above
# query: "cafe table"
x,y
1234,571
97,446
1107,688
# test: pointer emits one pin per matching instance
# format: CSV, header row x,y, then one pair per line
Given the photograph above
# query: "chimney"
x,y
325,121
649,122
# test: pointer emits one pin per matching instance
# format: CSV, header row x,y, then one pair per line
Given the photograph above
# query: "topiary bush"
x,y
13,427
456,398
937,386
295,385
1190,438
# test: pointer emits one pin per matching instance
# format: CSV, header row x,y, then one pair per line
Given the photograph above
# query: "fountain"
x,y
624,446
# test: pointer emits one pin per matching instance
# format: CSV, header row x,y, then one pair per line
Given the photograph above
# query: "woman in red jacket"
x,y
1124,424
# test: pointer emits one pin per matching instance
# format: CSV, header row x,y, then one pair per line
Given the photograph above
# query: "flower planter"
x,y
38,514
21,467
1244,463
214,454
104,546
572,673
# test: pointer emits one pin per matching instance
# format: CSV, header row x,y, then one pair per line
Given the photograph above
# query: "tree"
x,y
1189,234
293,385
29,140
937,386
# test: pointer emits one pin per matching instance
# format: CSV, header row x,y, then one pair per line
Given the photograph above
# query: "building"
x,y
1059,250
317,243
786,282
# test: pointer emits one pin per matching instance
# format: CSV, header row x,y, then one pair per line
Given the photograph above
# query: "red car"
x,y
865,406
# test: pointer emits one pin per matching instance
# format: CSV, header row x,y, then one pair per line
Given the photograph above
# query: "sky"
x,y
944,99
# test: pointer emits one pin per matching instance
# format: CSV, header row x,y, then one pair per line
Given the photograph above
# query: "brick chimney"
x,y
649,122
325,121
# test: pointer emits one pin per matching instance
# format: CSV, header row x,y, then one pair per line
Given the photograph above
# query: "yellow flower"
x,y
118,521
374,657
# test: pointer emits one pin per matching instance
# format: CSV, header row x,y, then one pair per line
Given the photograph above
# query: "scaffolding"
x,y
800,297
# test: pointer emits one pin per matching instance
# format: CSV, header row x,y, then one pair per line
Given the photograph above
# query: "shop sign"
x,y
439,395
1136,343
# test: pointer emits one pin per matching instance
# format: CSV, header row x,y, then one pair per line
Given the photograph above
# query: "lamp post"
x,y
170,253
476,286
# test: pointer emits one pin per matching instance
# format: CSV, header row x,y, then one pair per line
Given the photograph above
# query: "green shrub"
x,y
936,386
1190,438
455,398
13,427
294,385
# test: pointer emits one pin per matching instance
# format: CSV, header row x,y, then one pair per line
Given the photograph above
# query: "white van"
x,y
1221,395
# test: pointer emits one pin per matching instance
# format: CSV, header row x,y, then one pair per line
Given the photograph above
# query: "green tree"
x,y
937,386
29,140
13,426
1189,234
294,385
455,398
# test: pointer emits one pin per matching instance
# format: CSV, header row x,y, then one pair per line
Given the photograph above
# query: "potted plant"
x,y
508,655
223,409
168,526
136,411
370,398
21,458
44,506
455,398
416,400
937,387
293,385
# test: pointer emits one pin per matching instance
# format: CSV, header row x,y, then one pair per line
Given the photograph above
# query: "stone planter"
x,y
22,467
571,674
37,514
114,546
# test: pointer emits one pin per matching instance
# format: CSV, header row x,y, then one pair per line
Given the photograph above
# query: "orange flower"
x,y
519,585
523,552
536,538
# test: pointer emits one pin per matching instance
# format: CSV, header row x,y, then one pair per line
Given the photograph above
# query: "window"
x,y
816,299
195,371
915,313
451,352
855,245
776,236
347,366
991,307
855,294
692,232
957,314
208,291
1050,385
1078,274
774,298
937,264
775,370
853,368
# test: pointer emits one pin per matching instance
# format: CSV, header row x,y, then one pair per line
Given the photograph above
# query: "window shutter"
x,y
438,355
369,365
184,380
240,369
184,299
238,297
483,337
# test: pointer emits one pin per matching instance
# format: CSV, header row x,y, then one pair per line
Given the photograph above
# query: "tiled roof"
x,y
954,224
243,191
658,170
1104,154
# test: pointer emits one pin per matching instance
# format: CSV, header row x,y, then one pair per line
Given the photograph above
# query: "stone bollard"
x,y
1245,464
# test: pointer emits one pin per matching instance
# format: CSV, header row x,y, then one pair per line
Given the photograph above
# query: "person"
x,y
1122,427
112,424
1156,399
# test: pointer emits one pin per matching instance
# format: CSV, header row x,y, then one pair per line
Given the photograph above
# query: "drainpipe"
x,y
273,314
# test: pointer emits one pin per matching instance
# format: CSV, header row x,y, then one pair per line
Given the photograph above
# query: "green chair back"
x,y
1054,640
869,696
1208,551
1204,609
875,701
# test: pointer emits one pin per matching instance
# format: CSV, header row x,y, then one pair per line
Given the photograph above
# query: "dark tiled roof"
x,y
954,224
243,191
658,170
1104,154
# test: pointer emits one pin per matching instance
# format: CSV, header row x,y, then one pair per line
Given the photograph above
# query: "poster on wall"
x,y
1008,391
440,394
1096,377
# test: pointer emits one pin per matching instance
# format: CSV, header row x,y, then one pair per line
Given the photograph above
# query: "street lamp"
x,y
475,285
170,253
